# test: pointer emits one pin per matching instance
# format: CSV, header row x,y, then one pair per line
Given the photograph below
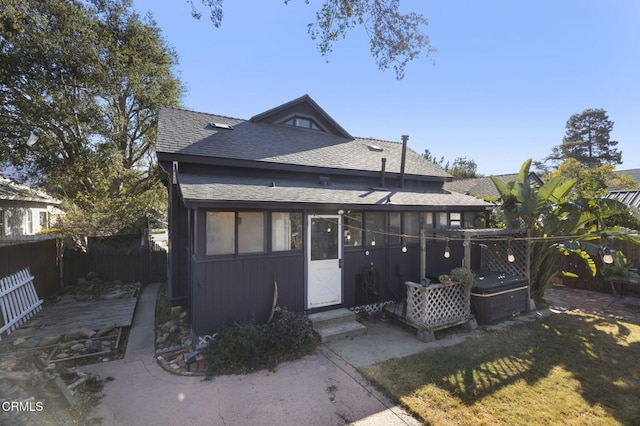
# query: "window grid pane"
x,y
250,232
375,229
353,230
221,237
394,227
286,231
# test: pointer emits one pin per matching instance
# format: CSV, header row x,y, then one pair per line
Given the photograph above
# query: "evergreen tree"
x,y
587,140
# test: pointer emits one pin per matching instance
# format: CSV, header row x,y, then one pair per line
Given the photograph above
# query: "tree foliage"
x,y
462,168
88,77
592,182
395,38
587,140
557,220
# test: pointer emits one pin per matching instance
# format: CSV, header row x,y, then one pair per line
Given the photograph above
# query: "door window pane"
x,y
324,238
250,232
375,229
220,233
286,231
353,229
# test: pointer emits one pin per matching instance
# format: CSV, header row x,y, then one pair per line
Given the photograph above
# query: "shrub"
x,y
250,347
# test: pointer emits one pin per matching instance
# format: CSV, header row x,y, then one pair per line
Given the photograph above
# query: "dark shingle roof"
x,y
483,186
634,173
190,133
201,187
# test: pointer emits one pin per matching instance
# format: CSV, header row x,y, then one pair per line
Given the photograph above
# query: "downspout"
x,y
382,170
405,138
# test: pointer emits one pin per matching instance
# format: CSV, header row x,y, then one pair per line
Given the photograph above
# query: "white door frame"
x,y
324,276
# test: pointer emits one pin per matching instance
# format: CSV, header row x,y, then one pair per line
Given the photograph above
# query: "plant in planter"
x,y
463,276
445,279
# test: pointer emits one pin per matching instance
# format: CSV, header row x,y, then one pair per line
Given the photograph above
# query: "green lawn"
x,y
567,369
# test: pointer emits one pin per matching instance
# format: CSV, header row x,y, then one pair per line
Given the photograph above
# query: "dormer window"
x,y
307,123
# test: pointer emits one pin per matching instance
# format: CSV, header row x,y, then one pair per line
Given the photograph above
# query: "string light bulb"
x,y
373,242
510,256
447,252
607,257
404,243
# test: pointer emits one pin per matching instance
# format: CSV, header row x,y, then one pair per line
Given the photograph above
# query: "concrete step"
x,y
335,316
340,330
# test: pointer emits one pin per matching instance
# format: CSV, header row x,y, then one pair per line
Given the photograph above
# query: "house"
x,y
290,197
483,187
25,211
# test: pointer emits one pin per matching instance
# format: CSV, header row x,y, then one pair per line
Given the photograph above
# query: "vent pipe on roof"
x,y
405,138
384,166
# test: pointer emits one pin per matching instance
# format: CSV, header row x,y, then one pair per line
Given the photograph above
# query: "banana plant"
x,y
555,218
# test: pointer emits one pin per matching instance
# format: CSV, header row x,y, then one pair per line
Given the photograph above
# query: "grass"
x,y
571,369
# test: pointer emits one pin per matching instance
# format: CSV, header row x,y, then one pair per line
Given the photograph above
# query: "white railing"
x,y
18,300
437,305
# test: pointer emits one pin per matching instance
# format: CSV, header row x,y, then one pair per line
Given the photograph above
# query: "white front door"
x,y
324,257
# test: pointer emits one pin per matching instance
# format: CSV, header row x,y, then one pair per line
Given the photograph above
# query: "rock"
x,y
19,341
174,329
91,275
167,325
94,347
62,355
77,347
87,332
72,335
183,315
117,283
96,280
162,339
176,309
49,340
105,330
83,282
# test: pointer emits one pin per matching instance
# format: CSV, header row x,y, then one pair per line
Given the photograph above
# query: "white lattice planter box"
x,y
437,306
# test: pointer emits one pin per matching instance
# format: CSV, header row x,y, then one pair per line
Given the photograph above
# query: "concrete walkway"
x,y
319,389
323,388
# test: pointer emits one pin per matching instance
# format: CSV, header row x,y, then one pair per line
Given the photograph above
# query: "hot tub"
x,y
496,296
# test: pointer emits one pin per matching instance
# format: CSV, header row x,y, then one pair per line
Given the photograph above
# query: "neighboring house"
x,y
634,173
630,197
289,196
25,211
483,187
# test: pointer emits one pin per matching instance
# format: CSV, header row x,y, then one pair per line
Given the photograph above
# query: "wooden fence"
x,y
18,300
42,259
585,280
117,258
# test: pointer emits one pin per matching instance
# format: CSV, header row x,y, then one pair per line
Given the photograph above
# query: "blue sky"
x,y
506,76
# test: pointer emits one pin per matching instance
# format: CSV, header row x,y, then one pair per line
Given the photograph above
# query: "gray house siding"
x,y
227,291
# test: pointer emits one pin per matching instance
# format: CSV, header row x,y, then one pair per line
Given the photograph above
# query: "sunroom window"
x,y
221,233
286,231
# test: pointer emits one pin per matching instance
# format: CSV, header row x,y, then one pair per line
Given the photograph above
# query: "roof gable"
x,y
304,107
11,191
